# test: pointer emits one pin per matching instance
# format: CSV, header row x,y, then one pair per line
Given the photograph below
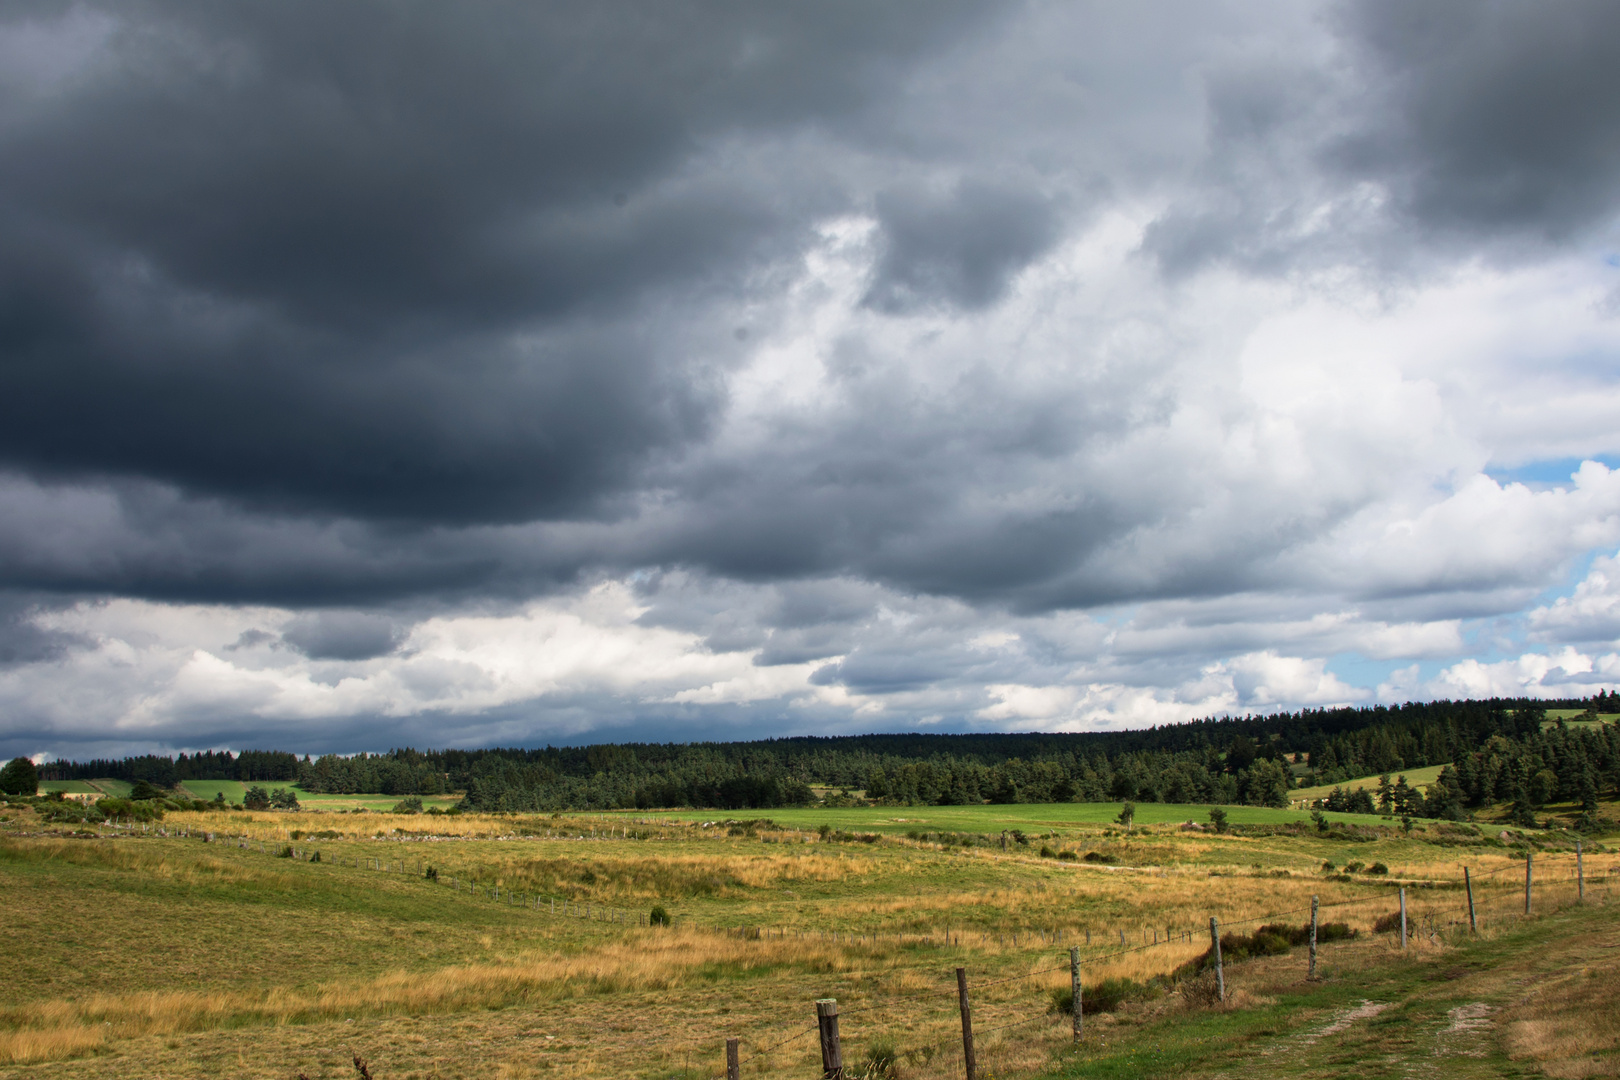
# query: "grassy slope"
x,y
1030,817
1539,993
117,788
1418,778
138,914
234,790
77,787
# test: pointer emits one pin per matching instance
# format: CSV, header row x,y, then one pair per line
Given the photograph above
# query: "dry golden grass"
x,y
1570,1026
511,971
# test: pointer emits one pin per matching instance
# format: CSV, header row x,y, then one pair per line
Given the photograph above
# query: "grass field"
x,y
144,954
72,787
234,790
1418,778
1029,817
119,789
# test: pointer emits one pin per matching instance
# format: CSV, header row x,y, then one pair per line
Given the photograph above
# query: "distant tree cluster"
x,y
1499,751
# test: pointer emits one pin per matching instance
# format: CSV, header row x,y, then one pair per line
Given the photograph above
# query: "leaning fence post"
x,y
1529,862
1220,976
733,1071
832,1055
1580,875
1468,883
1311,974
1403,919
1074,985
967,1022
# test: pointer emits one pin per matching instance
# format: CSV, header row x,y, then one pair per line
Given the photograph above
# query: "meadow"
x,y
234,790
526,952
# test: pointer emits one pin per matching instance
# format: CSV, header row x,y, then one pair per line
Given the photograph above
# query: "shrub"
x,y
1352,867
658,916
283,799
1328,867
256,798
1019,838
1099,857
1068,856
1377,868
1105,996
1385,923
1217,817
431,874
286,852
1047,853
412,805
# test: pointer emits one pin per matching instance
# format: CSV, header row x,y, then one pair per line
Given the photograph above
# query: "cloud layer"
x,y
400,372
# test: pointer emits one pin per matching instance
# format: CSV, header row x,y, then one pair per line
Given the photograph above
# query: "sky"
x,y
402,373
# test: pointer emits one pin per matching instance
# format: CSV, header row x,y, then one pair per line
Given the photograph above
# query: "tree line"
x,y
1501,750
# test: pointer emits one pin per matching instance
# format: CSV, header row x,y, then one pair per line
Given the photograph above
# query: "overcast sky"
x,y
398,373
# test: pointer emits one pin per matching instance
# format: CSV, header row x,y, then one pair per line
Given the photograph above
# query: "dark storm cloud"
x,y
1471,126
22,639
1493,117
401,260
343,635
958,248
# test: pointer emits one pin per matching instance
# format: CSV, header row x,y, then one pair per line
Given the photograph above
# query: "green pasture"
x,y
1029,817
1418,778
67,787
235,789
118,789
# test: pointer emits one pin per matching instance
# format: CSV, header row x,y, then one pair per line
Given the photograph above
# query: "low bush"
x,y
1353,867
1068,856
1385,923
658,916
1106,996
1099,857
1272,939
1377,868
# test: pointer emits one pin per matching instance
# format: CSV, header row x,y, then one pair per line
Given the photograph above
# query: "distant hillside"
x,y
1503,750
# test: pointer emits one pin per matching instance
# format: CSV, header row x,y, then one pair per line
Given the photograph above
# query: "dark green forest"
x,y
1500,751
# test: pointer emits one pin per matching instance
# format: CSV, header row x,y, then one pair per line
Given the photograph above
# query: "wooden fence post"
x,y
1580,875
1403,918
1529,862
1468,883
1311,974
1220,976
967,1023
832,1055
733,1071
1074,985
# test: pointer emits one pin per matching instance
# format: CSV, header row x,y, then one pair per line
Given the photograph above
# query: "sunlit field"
x,y
457,945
